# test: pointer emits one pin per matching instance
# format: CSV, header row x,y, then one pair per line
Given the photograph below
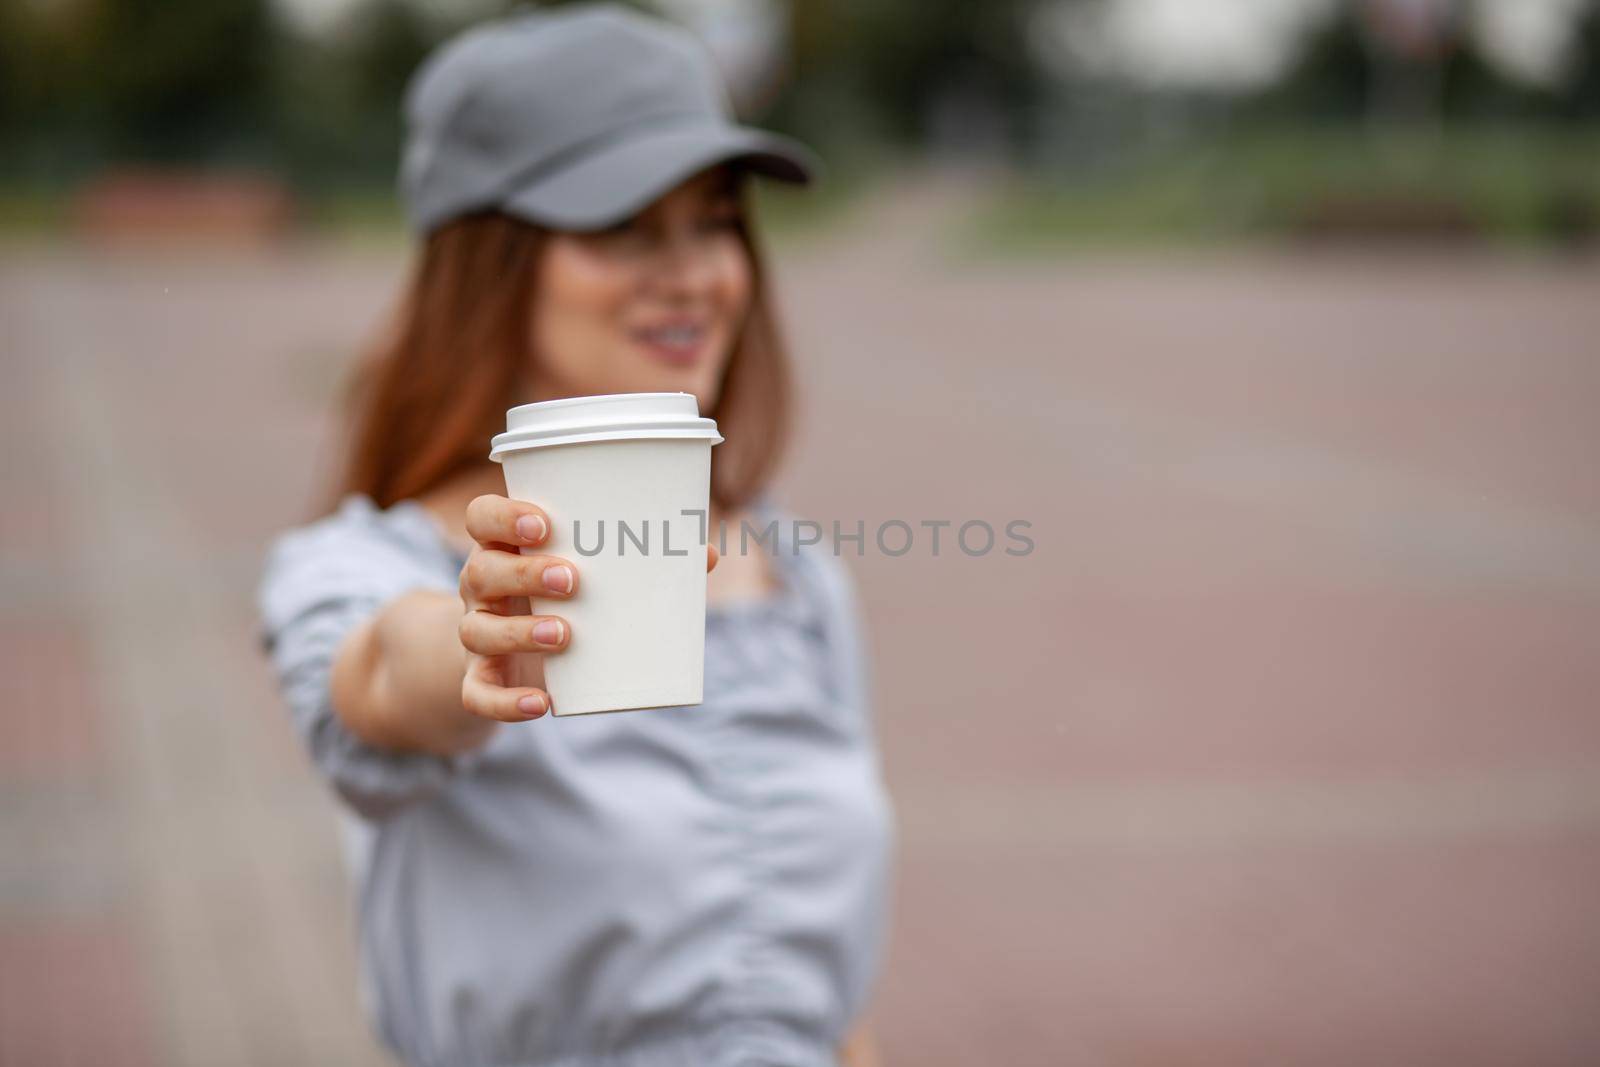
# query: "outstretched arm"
x,y
860,1048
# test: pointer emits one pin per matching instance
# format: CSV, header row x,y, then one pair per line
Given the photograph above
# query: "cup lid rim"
x,y
655,416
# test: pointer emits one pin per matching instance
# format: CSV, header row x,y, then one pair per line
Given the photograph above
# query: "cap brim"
x,y
620,179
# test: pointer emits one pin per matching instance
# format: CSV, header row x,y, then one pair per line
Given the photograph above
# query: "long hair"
x,y
424,402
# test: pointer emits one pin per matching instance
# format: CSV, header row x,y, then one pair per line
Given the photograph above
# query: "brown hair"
x,y
428,397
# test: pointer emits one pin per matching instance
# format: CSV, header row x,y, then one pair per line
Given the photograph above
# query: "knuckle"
x,y
483,516
477,699
469,697
474,575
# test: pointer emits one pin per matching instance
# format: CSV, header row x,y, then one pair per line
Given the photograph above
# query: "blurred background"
x,y
1277,319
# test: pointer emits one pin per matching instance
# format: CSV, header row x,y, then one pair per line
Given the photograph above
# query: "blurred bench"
x,y
148,205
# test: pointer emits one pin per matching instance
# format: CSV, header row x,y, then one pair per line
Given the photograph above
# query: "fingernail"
x,y
548,631
558,579
532,704
532,528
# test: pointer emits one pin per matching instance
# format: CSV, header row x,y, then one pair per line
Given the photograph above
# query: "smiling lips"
x,y
678,342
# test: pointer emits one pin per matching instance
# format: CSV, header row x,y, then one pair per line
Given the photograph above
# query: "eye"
x,y
627,225
723,218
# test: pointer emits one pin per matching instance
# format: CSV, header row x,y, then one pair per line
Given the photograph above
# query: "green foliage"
x,y
180,80
875,68
1580,98
339,120
1340,76
1505,184
88,83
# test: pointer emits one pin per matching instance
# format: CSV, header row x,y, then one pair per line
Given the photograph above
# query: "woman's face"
x,y
653,304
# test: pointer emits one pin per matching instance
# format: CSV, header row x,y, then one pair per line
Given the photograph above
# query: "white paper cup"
x,y
626,481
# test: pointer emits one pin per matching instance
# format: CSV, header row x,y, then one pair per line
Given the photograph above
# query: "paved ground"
x,y
1281,747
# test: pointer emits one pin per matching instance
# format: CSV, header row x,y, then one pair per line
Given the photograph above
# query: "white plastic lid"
x,y
617,417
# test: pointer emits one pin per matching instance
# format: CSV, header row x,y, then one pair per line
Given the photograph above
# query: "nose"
x,y
685,263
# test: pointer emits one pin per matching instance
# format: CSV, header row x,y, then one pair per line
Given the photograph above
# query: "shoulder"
x,y
817,563
359,522
815,560
359,551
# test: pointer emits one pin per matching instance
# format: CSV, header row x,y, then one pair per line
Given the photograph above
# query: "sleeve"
x,y
319,583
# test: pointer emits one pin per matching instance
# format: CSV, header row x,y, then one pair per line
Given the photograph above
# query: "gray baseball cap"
x,y
574,118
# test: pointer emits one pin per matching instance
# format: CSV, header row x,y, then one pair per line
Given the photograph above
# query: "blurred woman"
x,y
698,885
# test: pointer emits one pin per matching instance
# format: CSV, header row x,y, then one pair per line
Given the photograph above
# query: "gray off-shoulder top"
x,y
701,885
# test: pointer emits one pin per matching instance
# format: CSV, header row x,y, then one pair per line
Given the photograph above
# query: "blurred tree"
x,y
1580,96
390,39
45,115
1358,66
83,82
18,84
340,96
1330,80
899,68
180,80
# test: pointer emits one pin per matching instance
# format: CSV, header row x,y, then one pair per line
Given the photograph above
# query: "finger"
x,y
489,634
711,558
498,520
491,574
482,694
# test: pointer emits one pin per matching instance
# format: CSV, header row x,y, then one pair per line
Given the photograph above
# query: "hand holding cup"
x,y
504,637
498,584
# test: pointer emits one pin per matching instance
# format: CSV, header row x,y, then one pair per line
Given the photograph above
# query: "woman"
x,y
702,885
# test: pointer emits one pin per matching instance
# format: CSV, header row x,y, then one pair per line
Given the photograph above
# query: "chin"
x,y
703,382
